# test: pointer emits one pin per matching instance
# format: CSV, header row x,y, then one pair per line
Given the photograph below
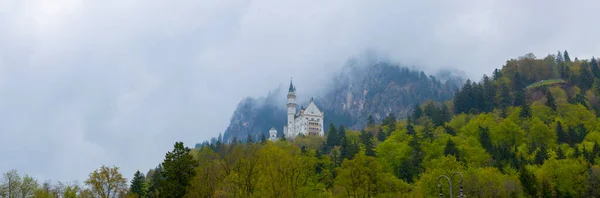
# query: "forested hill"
x,y
358,91
529,130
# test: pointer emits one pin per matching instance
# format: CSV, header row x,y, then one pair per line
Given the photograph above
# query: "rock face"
x,y
377,89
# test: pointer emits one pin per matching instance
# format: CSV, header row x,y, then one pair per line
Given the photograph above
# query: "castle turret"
x,y
273,134
291,110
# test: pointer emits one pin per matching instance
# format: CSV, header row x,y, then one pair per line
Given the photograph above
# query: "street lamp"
x,y
461,195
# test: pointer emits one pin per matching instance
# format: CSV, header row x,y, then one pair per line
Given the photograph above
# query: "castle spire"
x,y
292,88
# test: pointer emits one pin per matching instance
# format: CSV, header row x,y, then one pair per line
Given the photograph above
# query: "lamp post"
x,y
461,195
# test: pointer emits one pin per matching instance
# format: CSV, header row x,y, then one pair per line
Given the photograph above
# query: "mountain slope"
x,y
359,91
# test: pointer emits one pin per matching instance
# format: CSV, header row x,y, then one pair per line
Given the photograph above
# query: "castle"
x,y
307,121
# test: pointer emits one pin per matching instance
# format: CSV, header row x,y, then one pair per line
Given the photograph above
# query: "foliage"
x,y
107,182
178,169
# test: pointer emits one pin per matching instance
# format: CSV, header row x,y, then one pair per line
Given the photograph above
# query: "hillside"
x,y
523,132
507,138
357,92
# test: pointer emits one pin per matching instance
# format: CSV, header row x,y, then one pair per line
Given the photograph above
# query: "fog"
x,y
117,82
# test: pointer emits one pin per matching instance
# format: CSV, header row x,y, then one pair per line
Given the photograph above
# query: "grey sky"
x,y
117,82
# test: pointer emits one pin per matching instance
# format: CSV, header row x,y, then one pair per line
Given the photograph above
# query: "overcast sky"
x,y
85,83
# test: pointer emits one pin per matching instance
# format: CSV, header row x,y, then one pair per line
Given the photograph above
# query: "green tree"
x,y
370,121
263,138
381,135
540,156
451,149
349,146
138,184
417,112
178,170
566,55
249,139
410,130
560,154
550,101
367,140
107,182
486,141
11,181
332,136
528,181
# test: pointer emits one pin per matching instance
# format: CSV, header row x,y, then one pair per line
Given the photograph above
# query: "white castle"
x,y
307,121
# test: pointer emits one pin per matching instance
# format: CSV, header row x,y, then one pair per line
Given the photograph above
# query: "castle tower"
x,y
273,135
291,110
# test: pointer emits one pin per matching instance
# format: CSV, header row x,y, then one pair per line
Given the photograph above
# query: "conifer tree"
x,y
381,135
596,149
332,136
560,154
417,112
263,138
370,121
595,67
349,147
525,110
138,184
410,130
486,141
367,140
249,139
567,58
528,181
559,58
178,170
541,155
451,149
550,101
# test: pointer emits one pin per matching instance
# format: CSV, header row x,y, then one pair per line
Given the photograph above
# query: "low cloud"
x,y
87,83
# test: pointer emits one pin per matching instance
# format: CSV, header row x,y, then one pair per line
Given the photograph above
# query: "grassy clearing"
x,y
545,83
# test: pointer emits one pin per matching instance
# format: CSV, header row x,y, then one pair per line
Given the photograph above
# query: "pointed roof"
x,y
292,87
312,108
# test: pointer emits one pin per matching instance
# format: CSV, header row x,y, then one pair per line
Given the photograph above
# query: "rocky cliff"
x,y
360,90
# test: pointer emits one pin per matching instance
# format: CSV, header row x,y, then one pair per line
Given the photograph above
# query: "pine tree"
x,y
332,136
178,170
503,98
540,156
451,149
582,132
367,140
381,135
390,121
595,67
550,101
370,121
528,181
525,110
486,141
567,58
546,189
596,149
410,130
560,133
249,139
577,153
417,112
560,154
263,138
349,147
559,58
497,74
138,184
586,77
